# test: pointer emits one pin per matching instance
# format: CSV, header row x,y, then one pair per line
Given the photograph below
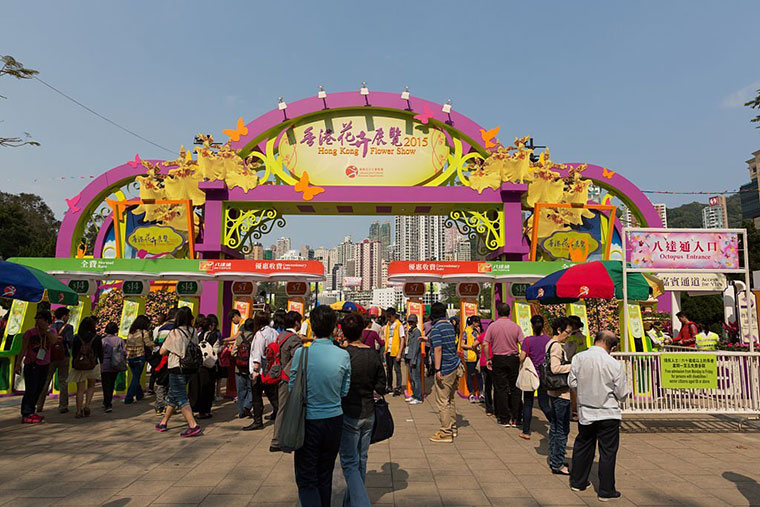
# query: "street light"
x,y
282,106
447,109
405,96
365,92
322,94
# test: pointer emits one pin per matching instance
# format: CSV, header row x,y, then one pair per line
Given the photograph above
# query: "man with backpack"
x,y
264,336
59,360
287,343
241,353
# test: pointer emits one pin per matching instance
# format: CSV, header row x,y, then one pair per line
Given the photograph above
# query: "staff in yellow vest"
x,y
706,339
305,332
395,339
470,347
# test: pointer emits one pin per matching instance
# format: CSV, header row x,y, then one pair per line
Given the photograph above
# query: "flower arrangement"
x,y
109,309
158,303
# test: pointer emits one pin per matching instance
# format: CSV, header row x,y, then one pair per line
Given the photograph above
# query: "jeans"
x,y
108,381
506,395
474,381
315,461
354,447
543,402
414,378
34,381
257,400
391,366
178,391
136,365
607,434
62,367
487,388
161,393
244,392
559,429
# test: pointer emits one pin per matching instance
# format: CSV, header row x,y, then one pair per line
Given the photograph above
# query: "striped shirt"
x,y
443,335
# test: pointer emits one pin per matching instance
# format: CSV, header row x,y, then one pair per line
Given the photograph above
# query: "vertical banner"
x,y
522,317
296,305
579,310
244,307
129,312
191,303
639,342
80,311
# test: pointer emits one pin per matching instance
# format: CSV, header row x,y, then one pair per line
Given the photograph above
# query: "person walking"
x,y
414,360
328,377
559,399
502,340
367,378
372,339
114,362
289,341
263,336
200,389
175,347
448,370
241,352
534,349
87,356
470,347
60,356
394,347
600,382
139,343
35,356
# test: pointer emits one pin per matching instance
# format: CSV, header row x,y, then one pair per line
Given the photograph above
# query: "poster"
x,y
244,307
75,315
416,308
16,317
522,317
689,371
683,250
637,342
579,310
129,313
295,305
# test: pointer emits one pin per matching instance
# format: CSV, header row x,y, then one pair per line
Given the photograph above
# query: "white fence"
x,y
737,392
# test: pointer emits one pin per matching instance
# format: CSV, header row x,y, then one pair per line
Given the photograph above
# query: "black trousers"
x,y
506,395
200,390
607,434
314,462
34,382
487,388
259,389
392,365
108,381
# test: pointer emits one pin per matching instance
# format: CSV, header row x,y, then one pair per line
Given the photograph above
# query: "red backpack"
x,y
242,355
273,372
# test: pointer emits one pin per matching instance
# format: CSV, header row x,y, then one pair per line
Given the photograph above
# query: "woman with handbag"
x,y
554,379
114,362
534,348
139,346
201,386
367,377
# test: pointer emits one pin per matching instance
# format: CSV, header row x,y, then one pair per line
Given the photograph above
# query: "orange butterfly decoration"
x,y
487,135
308,191
236,133
607,173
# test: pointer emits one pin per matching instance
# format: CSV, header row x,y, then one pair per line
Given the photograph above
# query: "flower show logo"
x,y
352,171
584,291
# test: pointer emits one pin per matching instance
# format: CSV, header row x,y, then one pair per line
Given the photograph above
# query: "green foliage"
x,y
755,104
690,215
703,309
28,227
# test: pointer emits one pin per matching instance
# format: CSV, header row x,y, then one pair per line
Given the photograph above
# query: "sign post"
x,y
297,292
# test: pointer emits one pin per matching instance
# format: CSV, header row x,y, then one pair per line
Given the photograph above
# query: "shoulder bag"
x,y
527,378
383,426
549,380
293,414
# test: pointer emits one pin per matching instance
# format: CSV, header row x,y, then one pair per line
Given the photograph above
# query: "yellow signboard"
x,y
576,246
522,317
689,371
156,239
364,150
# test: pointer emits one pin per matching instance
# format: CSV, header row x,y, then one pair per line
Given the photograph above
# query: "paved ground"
x,y
118,459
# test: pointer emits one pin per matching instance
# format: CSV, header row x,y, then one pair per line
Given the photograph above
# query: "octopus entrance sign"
x,y
347,154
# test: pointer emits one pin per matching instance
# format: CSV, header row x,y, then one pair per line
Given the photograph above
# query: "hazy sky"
x,y
653,90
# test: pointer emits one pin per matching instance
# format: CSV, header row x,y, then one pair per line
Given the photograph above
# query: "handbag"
x,y
209,354
527,377
293,414
549,380
382,429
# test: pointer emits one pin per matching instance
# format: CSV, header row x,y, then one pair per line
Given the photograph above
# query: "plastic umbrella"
x,y
591,280
347,306
33,285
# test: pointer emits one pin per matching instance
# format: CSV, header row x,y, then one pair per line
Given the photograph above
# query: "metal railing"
x,y
737,391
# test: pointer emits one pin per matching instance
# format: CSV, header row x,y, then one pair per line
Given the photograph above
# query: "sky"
x,y
653,90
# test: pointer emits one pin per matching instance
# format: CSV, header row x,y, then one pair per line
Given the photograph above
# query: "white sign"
x,y
694,282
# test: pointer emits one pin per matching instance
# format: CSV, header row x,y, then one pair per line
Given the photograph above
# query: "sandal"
x,y
561,471
79,415
524,435
87,411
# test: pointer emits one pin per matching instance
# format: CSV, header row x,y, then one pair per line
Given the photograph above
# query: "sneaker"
x,y
415,401
442,437
396,392
192,432
160,413
109,410
409,399
503,422
472,399
512,424
161,427
39,417
612,496
573,488
30,419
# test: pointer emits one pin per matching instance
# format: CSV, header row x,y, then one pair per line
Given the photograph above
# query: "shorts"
x,y
177,397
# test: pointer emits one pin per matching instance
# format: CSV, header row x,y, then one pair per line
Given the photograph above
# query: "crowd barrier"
x,y
737,391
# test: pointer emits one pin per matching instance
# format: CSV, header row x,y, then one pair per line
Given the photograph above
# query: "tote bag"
x,y
293,414
527,377
383,426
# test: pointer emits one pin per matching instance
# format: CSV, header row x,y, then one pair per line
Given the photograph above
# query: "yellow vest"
x,y
707,341
470,356
395,340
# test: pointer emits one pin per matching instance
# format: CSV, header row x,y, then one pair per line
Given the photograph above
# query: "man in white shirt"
x,y
601,385
256,364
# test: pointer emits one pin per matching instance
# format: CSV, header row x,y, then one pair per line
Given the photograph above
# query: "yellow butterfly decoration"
x,y
308,191
236,133
488,135
607,173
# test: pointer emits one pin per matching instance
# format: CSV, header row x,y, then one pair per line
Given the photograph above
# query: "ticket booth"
x,y
297,291
20,318
414,291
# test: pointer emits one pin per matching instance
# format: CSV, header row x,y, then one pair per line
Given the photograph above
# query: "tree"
x,y
755,104
753,245
14,68
28,227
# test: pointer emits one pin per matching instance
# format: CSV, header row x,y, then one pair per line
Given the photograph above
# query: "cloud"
x,y
739,97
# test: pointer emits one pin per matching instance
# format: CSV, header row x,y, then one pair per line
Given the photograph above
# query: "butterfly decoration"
x,y
308,191
143,254
136,162
488,135
607,173
239,131
425,116
72,203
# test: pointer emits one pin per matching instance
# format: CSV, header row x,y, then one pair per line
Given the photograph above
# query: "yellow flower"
x,y
246,179
182,184
545,188
482,179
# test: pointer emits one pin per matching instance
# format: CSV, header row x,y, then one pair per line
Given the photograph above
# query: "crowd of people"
x,y
348,363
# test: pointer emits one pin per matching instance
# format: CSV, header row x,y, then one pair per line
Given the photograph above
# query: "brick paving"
x,y
118,460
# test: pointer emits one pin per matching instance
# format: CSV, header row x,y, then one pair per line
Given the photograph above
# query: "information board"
x,y
689,371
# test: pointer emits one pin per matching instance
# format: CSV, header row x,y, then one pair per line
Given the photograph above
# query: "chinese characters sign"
x,y
573,245
156,239
364,150
689,371
712,282
683,250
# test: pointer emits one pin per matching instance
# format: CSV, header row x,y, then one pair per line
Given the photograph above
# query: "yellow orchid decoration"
x,y
243,176
482,179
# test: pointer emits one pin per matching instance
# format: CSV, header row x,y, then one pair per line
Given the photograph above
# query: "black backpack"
x,y
193,358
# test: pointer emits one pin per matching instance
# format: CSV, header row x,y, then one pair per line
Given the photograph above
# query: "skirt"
x,y
84,375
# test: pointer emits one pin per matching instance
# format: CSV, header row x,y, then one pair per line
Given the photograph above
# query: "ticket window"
x,y
297,293
134,306
468,307
243,296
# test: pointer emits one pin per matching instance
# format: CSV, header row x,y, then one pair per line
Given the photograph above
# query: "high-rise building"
x,y
291,255
384,273
407,238
346,252
257,252
715,214
269,254
306,252
368,259
432,238
463,251
626,217
750,192
381,232
282,247
662,210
